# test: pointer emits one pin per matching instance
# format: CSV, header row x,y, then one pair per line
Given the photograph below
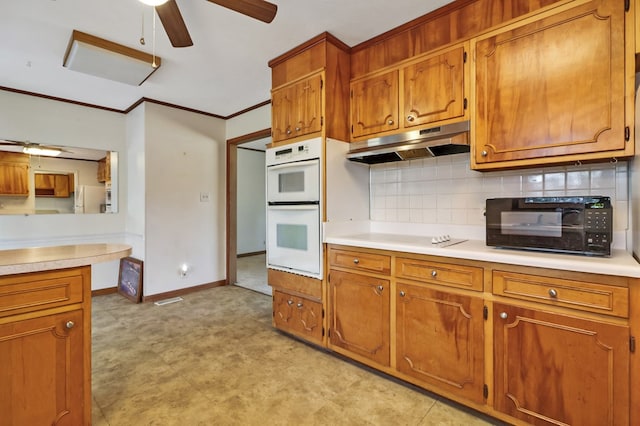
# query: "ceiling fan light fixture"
x,y
45,152
153,2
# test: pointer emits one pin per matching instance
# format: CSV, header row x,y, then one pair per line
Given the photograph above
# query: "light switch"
x,y
204,197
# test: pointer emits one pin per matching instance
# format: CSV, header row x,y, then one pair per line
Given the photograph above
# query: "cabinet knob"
x,y
70,324
380,288
410,118
298,129
288,131
434,273
553,292
356,261
289,302
503,315
299,305
390,122
484,153
402,294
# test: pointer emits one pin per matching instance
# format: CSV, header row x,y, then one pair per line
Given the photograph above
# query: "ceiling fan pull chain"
x,y
142,41
153,48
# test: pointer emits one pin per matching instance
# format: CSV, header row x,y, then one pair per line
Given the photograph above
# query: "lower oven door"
x,y
293,239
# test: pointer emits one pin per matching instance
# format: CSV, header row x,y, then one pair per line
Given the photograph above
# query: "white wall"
x,y
251,217
249,122
134,169
184,160
50,122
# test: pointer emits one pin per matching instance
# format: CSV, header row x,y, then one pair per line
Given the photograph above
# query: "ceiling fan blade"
x,y
173,24
258,9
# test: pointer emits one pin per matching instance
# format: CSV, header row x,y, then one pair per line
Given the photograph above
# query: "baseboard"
x,y
182,291
255,253
104,291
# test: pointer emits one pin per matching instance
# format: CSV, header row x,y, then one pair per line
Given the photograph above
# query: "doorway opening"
x,y
246,211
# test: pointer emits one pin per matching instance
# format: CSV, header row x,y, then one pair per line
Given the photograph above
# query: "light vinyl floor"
x,y
215,359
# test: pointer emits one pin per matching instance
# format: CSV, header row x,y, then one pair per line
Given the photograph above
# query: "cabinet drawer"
x,y
31,292
371,262
586,296
297,315
449,274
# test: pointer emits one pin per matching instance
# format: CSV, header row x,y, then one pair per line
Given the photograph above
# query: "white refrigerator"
x,y
89,198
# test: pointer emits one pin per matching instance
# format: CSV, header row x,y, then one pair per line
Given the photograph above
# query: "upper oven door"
x,y
297,182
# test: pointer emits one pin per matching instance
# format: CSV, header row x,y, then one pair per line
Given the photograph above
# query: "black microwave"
x,y
579,225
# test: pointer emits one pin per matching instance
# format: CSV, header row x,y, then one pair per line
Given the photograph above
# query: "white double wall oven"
x,y
294,206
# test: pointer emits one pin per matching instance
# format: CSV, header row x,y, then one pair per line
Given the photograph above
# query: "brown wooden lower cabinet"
x,y
45,348
553,369
526,345
359,315
439,339
298,315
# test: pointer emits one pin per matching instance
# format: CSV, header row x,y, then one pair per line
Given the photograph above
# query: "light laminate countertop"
x,y
620,263
18,261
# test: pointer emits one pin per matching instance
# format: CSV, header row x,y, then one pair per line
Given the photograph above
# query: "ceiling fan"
x,y
176,29
31,148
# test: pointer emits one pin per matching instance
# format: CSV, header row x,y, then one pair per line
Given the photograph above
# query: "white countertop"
x,y
18,261
620,263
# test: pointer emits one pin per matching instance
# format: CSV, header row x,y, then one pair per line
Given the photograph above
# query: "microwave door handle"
x,y
295,164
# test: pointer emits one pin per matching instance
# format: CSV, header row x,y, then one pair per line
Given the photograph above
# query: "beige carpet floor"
x,y
214,359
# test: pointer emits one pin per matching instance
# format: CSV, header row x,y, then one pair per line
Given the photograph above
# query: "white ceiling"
x,y
224,72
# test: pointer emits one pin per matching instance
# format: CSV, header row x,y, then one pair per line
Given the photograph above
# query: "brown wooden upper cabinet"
x,y
425,91
104,169
297,108
52,185
14,174
553,88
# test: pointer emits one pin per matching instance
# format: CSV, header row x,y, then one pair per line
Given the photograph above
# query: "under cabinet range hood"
x,y
442,140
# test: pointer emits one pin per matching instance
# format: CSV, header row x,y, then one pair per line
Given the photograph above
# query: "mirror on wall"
x,y
37,179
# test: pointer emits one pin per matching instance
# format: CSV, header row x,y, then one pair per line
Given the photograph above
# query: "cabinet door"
x,y
14,179
61,187
308,118
298,315
434,89
42,371
552,87
360,315
297,109
556,369
374,104
440,339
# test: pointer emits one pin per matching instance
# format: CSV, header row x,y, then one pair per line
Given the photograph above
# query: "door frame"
x,y
232,198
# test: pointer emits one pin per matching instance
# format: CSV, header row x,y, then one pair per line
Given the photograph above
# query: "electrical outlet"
x,y
204,197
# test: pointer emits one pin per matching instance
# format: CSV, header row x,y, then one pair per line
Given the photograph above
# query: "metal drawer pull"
x,y
70,324
553,292
289,302
402,294
410,118
390,122
380,288
503,315
299,305
356,261
434,273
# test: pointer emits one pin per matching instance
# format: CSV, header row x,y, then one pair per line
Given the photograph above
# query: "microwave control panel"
x,y
597,226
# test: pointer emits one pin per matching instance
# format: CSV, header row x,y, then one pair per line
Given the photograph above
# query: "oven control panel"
x,y
299,151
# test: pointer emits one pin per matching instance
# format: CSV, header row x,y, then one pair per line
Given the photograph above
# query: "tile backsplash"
x,y
443,190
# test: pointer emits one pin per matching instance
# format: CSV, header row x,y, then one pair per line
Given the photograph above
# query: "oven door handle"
x,y
293,206
294,164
